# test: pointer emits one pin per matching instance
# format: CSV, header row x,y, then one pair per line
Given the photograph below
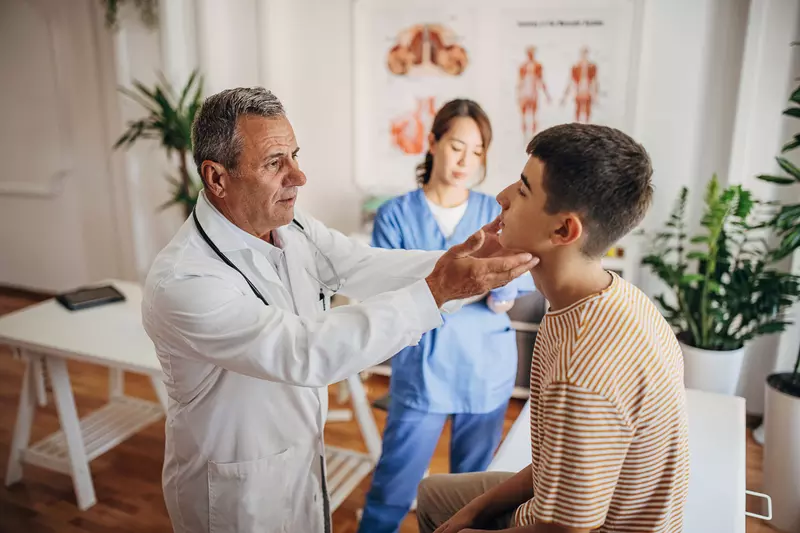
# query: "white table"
x,y
47,334
717,448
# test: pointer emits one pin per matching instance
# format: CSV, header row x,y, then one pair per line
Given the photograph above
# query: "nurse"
x,y
465,369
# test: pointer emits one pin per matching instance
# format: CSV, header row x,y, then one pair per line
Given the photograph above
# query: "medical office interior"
x,y
84,202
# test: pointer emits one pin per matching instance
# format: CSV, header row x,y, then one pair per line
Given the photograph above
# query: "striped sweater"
x,y
609,435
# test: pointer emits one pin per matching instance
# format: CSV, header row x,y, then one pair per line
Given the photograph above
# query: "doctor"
x,y
237,306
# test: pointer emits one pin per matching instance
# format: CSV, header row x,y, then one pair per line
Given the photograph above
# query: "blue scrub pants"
x,y
409,441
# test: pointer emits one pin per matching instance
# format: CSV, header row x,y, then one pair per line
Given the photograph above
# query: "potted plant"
x,y
169,120
148,12
724,287
781,428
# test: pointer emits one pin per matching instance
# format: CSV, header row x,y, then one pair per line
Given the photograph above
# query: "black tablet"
x,y
90,297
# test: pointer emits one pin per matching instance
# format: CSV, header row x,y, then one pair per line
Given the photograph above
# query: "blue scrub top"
x,y
469,364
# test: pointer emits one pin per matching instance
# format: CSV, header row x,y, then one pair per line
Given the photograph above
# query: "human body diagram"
x,y
583,82
532,90
530,82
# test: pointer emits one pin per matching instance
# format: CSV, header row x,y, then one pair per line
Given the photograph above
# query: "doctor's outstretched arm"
x,y
232,329
367,270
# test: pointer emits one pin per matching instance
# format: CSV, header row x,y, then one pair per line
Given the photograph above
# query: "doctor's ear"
x,y
215,178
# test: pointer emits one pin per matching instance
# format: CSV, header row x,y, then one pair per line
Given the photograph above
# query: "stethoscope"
x,y
295,223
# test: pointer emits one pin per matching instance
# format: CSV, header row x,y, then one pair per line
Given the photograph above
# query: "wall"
x,y
60,227
769,73
689,68
688,71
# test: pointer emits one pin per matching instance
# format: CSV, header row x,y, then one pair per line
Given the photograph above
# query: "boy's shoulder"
x,y
618,333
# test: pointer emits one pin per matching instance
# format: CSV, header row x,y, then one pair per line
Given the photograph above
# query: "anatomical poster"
x,y
563,65
530,64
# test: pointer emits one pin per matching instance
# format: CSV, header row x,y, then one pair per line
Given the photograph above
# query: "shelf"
x,y
345,470
101,430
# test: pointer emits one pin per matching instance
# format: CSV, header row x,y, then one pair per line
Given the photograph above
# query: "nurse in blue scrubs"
x,y
464,370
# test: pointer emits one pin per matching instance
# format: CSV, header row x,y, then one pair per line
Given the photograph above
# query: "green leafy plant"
x,y
786,221
148,12
169,120
725,287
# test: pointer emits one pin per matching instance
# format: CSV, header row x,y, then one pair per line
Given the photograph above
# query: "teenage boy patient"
x,y
609,440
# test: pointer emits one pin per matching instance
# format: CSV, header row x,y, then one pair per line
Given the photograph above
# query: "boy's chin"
x,y
509,243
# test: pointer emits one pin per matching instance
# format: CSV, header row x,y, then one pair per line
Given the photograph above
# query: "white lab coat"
x,y
247,382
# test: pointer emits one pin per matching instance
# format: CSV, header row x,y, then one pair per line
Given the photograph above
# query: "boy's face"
x,y
526,225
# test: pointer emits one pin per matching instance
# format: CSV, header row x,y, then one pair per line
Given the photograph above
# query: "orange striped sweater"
x,y
609,435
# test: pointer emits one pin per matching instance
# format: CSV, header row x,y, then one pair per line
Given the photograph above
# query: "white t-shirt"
x,y
447,217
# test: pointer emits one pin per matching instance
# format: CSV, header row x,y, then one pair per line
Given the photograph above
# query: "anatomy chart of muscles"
x,y
530,64
563,66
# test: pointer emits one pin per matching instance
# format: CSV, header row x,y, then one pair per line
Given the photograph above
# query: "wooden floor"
x,y
128,478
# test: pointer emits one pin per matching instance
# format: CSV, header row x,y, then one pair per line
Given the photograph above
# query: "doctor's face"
x,y
259,194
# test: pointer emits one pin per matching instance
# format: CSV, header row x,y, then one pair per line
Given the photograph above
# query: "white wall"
x,y
136,53
58,218
689,73
769,73
689,68
301,49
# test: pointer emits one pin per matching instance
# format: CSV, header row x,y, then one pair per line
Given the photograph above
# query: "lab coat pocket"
x,y
247,496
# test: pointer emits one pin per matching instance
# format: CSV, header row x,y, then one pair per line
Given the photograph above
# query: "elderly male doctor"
x,y
238,307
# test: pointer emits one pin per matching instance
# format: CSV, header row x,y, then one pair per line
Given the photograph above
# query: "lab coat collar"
x,y
225,234
231,238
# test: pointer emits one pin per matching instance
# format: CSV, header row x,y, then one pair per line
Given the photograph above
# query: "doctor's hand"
x,y
491,246
461,272
491,243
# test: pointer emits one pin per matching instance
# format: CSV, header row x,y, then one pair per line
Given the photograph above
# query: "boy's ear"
x,y
570,230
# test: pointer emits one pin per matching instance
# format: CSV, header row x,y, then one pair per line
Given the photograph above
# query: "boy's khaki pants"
x,y
441,496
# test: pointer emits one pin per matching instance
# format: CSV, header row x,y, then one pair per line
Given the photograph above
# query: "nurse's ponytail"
x,y
441,123
424,169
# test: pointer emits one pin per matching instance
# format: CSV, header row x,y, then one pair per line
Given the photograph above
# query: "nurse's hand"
x,y
459,273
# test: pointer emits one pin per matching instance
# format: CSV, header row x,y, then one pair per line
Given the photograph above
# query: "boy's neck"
x,y
567,279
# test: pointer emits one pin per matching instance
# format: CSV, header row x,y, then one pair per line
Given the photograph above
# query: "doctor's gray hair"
x,y
214,134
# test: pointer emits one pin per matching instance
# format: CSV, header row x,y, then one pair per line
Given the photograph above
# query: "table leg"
x,y
161,391
342,394
22,428
70,425
366,422
38,372
116,383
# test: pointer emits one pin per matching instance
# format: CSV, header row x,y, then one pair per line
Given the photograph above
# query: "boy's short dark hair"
x,y
598,172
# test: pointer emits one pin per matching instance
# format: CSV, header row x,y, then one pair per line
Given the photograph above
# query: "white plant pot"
x,y
782,458
712,371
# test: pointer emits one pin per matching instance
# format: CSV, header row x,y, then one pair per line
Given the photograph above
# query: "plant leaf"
x,y
780,180
697,255
791,145
789,167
